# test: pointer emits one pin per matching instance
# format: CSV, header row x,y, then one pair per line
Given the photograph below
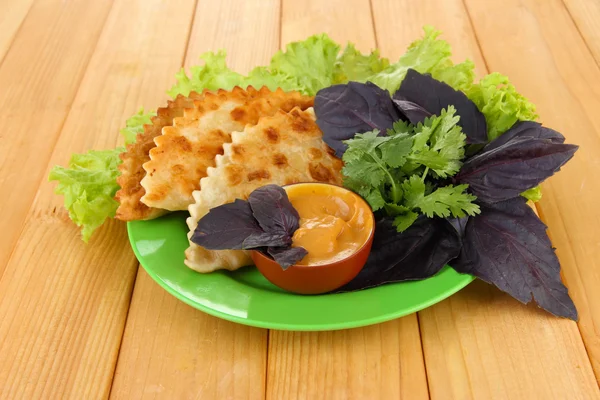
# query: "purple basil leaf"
x,y
412,111
433,96
459,224
274,212
501,173
287,256
227,227
526,129
265,239
507,246
345,110
417,253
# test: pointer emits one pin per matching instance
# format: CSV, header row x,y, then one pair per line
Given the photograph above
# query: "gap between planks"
x,y
410,17
79,303
553,49
588,41
22,13
20,74
210,368
184,56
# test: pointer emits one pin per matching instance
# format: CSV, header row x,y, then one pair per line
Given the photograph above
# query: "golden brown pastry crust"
x,y
281,149
130,206
186,149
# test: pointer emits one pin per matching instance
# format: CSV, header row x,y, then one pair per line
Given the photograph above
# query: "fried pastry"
x,y
132,172
281,149
185,150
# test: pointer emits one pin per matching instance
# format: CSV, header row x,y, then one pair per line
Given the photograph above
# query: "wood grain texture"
x,y
548,61
173,351
211,359
342,20
13,14
247,30
586,15
448,16
484,345
379,362
382,361
460,364
39,78
63,303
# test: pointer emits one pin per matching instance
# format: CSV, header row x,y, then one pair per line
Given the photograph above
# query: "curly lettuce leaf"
x,y
213,75
89,185
534,194
354,66
261,76
309,64
306,66
135,124
500,103
427,55
459,76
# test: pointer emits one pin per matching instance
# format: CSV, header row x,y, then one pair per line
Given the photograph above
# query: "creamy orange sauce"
x,y
334,222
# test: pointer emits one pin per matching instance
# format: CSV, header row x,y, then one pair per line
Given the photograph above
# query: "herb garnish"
x,y
401,172
421,94
436,161
267,220
507,246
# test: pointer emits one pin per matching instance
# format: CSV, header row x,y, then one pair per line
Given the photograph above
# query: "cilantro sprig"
x,y
402,172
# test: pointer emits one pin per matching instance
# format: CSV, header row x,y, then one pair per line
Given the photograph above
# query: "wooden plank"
x,y
548,61
342,20
586,15
394,38
63,303
13,14
211,358
383,361
247,30
173,351
475,341
484,345
39,78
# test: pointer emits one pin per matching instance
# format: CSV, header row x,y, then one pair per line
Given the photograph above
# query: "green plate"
x,y
246,297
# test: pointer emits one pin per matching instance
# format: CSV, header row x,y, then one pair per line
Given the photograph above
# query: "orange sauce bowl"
x,y
322,278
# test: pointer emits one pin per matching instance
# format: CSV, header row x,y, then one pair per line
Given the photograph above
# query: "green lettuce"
x,y
89,182
89,185
534,194
213,75
500,103
309,64
351,65
135,124
427,55
305,66
502,107
261,76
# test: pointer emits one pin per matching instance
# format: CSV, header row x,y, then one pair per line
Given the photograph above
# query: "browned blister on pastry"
x,y
185,150
132,172
282,149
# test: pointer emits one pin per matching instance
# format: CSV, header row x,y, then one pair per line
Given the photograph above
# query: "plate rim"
x,y
385,317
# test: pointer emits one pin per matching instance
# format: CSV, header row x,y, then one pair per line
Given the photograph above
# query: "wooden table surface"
x,y
84,321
